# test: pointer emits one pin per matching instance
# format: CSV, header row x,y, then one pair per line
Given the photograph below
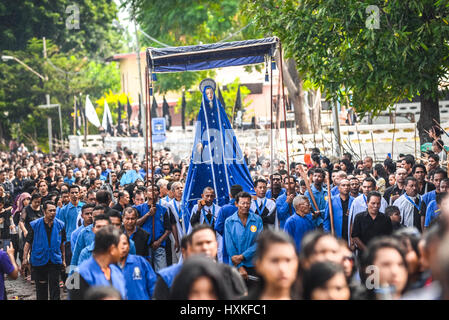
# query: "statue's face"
x,y
210,93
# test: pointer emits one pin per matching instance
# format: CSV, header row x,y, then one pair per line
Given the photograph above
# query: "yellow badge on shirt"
x,y
253,228
325,198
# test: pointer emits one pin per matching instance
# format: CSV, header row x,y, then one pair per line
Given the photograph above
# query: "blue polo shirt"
x,y
159,217
284,209
432,213
224,213
86,253
269,195
91,272
85,238
68,214
69,181
74,237
429,196
140,278
168,274
297,226
241,239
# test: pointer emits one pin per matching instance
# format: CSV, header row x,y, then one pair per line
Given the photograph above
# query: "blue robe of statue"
x,y
217,160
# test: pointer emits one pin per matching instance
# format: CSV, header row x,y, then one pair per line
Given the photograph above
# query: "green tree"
x,y
188,22
92,31
337,45
68,76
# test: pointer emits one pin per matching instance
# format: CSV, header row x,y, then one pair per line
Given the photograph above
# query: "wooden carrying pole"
x,y
306,180
329,201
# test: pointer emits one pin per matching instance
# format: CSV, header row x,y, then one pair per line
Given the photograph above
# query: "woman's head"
x,y
36,200
325,281
318,246
276,260
386,257
199,279
409,238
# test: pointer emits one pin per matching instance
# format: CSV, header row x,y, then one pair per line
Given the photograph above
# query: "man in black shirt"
x,y
123,201
394,192
140,237
370,224
419,173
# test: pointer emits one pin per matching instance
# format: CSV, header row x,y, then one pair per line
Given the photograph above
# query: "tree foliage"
x,y
337,46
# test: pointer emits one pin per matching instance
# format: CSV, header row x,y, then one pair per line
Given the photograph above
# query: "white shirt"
x,y
407,210
270,205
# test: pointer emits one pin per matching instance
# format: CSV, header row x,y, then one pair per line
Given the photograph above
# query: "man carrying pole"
x,y
316,193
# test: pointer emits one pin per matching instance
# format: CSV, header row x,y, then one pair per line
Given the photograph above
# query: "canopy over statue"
x,y
217,160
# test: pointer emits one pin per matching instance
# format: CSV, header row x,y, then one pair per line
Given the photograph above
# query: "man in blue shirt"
x,y
319,193
434,209
340,211
154,219
45,240
284,206
104,170
140,278
9,267
85,238
301,222
224,213
276,189
241,232
69,179
86,215
68,215
100,269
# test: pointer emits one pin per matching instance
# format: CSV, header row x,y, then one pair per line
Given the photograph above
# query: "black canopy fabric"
x,y
210,56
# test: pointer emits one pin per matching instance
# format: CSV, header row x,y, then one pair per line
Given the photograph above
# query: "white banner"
x,y
91,114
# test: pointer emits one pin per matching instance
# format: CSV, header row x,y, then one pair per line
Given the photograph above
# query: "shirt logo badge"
x,y
253,228
137,275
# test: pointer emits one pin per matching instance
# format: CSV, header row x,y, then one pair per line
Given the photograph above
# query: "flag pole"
x,y
329,201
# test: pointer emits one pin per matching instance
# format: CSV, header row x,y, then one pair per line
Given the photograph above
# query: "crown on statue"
x,y
208,82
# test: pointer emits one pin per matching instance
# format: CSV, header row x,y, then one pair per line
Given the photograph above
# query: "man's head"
x,y
344,187
92,174
152,194
368,163
419,172
208,195
139,197
165,169
116,218
106,243
42,187
176,174
276,181
408,163
177,190
243,202
393,213
373,202
92,197
368,185
340,175
49,210
260,186
103,198
401,174
74,192
130,218
203,240
100,221
438,176
354,184
444,185
235,189
302,205
86,213
65,197
411,186
163,187
433,161
123,198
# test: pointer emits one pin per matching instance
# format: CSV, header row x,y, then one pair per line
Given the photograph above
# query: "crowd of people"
x,y
96,227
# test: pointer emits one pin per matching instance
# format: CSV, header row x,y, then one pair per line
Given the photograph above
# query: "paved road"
x,y
21,289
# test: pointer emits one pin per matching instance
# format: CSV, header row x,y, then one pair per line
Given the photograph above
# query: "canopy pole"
x,y
271,118
147,89
283,102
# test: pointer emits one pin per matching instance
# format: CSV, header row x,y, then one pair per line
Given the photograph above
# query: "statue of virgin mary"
x,y
217,160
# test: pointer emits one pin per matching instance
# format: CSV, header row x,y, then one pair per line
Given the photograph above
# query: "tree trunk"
x,y
294,84
430,110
